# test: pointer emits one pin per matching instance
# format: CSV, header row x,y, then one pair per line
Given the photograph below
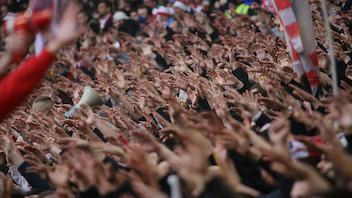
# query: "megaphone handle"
x,y
68,114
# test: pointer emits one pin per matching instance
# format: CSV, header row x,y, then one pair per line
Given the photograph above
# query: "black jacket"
x,y
108,25
129,26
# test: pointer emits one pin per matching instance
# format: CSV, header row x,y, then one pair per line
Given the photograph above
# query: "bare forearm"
x,y
128,106
16,158
104,129
208,28
92,136
256,140
167,154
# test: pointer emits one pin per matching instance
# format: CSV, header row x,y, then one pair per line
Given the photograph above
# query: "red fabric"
x,y
164,14
292,30
282,4
313,77
17,85
314,58
125,142
295,55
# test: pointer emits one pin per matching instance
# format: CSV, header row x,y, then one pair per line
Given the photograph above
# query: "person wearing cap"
x,y
193,6
164,16
180,9
124,24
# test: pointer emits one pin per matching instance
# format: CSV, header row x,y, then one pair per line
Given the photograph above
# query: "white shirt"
x,y
102,23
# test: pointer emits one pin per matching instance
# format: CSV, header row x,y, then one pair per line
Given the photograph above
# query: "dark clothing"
x,y
131,27
92,192
249,173
90,73
94,25
109,24
349,146
243,77
33,179
346,7
215,188
214,35
114,164
66,99
4,169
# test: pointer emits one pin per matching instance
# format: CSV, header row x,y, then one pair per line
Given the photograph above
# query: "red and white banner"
x,y
299,33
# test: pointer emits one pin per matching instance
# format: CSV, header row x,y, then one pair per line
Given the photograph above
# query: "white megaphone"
x,y
90,97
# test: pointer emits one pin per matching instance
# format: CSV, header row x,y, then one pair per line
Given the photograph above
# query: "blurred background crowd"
x,y
187,98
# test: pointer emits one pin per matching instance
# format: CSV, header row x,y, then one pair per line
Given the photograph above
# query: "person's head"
x,y
326,167
150,3
104,8
179,8
140,36
118,18
189,2
134,16
82,18
176,27
42,104
4,10
123,4
143,11
163,13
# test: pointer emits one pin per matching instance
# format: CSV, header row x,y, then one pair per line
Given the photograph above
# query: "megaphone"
x,y
90,97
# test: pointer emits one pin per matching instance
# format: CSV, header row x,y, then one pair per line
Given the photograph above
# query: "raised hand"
x,y
278,134
230,79
6,185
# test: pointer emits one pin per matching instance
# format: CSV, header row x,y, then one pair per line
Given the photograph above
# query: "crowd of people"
x,y
200,99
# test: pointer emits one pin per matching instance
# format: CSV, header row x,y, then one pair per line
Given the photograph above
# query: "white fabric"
x,y
119,15
155,11
183,96
287,16
256,117
19,179
39,44
296,149
9,16
180,5
305,63
276,31
102,23
163,10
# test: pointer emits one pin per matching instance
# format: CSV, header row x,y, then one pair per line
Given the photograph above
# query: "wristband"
x,y
111,126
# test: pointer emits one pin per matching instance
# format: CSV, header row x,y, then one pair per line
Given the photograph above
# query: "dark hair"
x,y
217,41
84,12
107,4
142,34
145,7
178,24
